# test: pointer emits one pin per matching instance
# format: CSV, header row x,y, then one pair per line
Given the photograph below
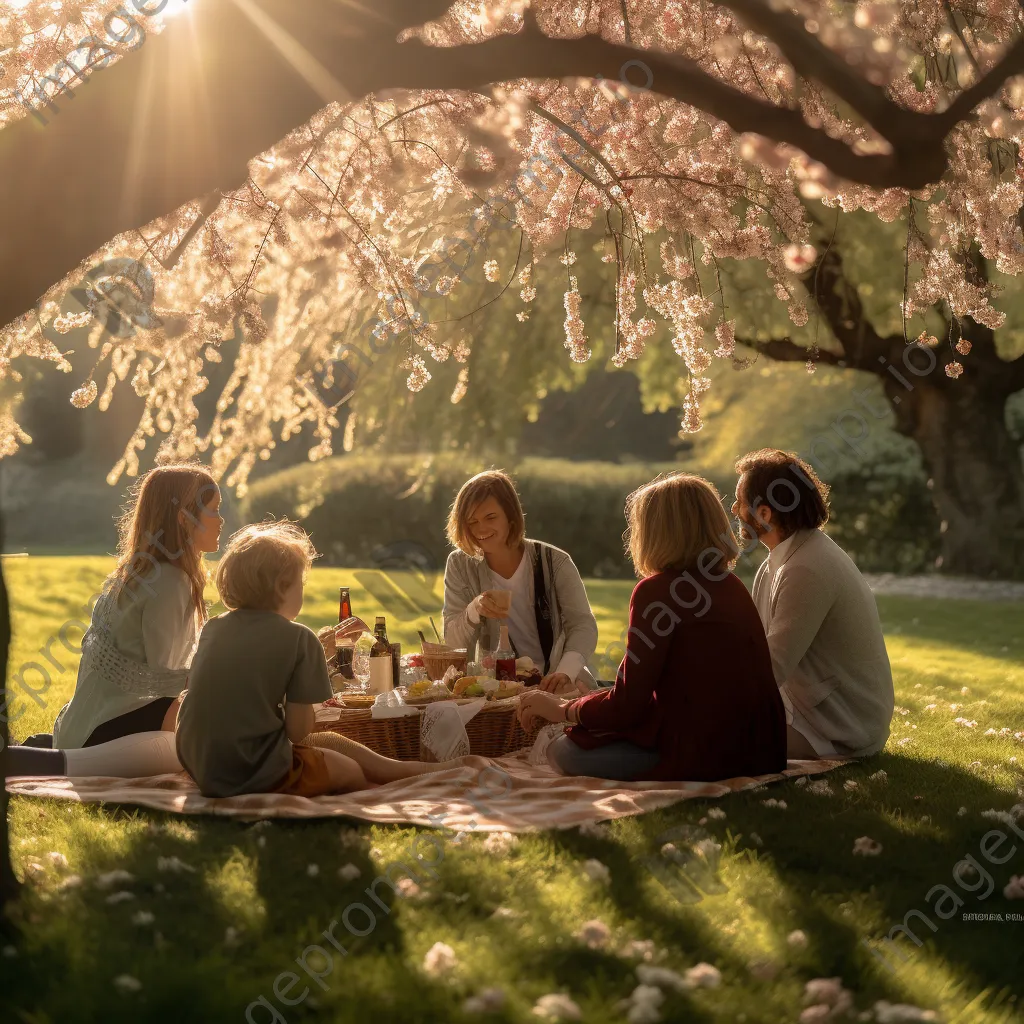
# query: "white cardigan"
x,y
826,643
133,653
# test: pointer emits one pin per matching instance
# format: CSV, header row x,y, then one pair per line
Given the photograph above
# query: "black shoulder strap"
x,y
542,608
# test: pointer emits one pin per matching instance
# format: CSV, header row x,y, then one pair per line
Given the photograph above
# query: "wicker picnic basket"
x,y
438,658
493,732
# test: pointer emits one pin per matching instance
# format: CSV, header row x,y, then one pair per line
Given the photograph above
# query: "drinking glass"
x,y
361,660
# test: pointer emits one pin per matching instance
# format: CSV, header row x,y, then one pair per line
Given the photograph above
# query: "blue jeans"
x,y
620,760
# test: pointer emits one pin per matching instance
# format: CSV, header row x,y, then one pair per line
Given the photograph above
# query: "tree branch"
x,y
785,350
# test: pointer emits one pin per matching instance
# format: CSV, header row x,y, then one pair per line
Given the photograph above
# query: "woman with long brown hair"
x,y
695,697
144,629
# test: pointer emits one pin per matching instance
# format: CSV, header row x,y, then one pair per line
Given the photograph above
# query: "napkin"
x,y
391,705
443,729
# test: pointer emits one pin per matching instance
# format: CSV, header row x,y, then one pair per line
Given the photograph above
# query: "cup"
x,y
502,600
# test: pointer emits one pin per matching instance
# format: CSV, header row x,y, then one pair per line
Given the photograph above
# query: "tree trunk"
x,y
974,466
8,883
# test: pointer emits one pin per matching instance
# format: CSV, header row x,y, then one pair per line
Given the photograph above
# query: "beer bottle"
x,y
381,670
344,605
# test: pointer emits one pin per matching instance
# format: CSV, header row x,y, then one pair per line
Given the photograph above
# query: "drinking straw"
x,y
438,635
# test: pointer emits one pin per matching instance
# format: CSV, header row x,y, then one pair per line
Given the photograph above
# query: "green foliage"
x,y
359,508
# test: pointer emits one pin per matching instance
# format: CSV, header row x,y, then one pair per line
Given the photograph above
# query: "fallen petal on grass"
x,y
556,1006
865,846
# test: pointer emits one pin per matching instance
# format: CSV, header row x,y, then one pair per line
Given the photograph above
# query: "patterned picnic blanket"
x,y
511,795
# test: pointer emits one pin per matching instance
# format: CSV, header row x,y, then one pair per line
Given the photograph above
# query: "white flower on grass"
x,y
173,864
815,1014
930,707
772,802
797,939
661,977
964,691
961,812
595,934
702,975
965,868
58,860
261,841
125,983
312,870
348,871
671,852
408,889
501,842
955,707
867,847
556,1006
903,742
820,788
802,781
120,897
879,776
142,917
440,959
112,878
965,723
642,1005
506,914
756,839
69,882
1004,816
638,949
716,812
487,1000
849,785
596,871
1014,888
830,993
595,829
34,870
901,1013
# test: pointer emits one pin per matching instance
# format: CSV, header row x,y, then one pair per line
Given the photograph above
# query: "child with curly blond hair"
x,y
246,721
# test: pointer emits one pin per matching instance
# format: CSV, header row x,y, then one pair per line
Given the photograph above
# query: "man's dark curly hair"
x,y
782,480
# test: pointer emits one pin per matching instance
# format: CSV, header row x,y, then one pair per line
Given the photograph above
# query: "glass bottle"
x,y
381,670
504,657
344,604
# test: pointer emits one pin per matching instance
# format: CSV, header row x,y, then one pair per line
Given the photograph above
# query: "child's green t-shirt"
x,y
231,734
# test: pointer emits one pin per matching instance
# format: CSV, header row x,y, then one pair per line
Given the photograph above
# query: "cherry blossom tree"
x,y
274,166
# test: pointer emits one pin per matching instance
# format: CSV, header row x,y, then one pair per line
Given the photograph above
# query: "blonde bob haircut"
x,y
491,484
673,521
261,562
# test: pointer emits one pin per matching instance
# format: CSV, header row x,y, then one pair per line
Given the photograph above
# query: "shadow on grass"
x,y
74,944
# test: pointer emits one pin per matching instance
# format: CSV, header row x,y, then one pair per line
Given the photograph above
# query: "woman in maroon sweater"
x,y
695,697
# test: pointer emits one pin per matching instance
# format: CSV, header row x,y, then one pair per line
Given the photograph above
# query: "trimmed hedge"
x,y
390,511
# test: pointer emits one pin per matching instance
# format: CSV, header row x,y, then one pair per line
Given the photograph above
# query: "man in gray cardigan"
x,y
820,617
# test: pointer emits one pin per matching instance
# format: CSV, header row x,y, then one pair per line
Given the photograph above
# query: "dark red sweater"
x,y
696,682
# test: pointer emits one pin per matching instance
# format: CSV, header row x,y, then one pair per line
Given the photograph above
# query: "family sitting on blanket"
x,y
702,693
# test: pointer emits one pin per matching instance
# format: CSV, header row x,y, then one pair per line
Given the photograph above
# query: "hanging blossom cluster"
x,y
352,210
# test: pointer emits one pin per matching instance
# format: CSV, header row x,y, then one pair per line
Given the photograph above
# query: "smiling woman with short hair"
x,y
549,620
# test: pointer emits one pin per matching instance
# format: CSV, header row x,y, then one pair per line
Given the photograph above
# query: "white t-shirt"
x,y
522,619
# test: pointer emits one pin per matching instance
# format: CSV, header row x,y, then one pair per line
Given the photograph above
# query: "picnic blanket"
x,y
511,795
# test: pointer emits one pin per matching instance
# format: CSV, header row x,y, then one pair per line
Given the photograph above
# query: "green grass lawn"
x,y
221,934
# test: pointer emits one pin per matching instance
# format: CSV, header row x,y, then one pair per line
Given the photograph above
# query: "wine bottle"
x,y
344,605
504,657
381,669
